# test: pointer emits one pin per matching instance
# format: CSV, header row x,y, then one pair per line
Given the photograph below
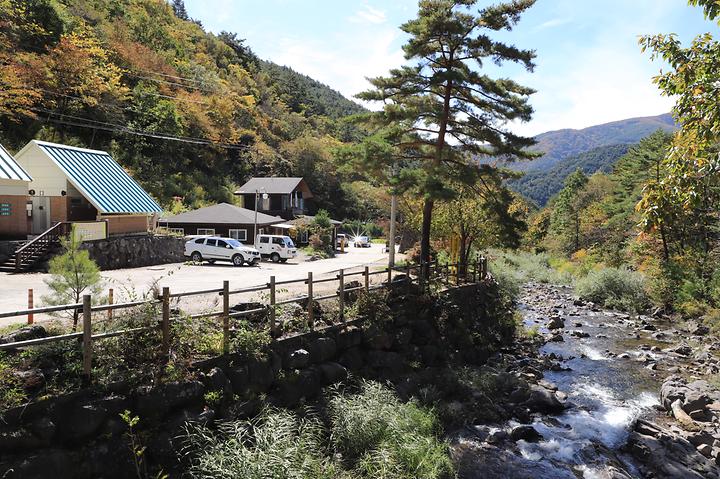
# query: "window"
x,y
177,231
304,236
221,244
211,242
5,209
240,235
264,239
75,201
278,241
206,231
200,240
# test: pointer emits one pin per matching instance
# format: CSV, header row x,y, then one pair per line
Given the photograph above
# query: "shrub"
x,y
371,434
617,288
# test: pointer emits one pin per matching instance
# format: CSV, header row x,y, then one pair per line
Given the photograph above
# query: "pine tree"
x,y
178,7
73,274
441,113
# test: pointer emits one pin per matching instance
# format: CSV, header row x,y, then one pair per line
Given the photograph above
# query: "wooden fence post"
x,y
165,326
87,336
31,316
110,301
272,307
389,272
457,273
310,305
226,317
367,279
341,290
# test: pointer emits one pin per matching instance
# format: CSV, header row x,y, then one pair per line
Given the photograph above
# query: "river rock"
x,y
525,433
543,401
556,323
667,454
24,334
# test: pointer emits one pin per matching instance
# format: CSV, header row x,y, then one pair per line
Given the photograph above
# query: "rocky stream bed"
x,y
607,396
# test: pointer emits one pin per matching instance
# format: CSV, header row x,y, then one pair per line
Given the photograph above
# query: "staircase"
x,y
29,253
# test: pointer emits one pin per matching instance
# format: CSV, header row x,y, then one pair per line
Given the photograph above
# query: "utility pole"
x,y
391,240
257,193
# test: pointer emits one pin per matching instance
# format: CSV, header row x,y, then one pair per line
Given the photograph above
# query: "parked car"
x,y
276,248
361,242
342,240
215,248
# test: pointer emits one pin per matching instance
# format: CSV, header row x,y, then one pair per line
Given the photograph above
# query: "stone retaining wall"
x,y
82,436
135,251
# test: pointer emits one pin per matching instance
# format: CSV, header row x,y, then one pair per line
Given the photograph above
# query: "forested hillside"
x,y
540,185
560,144
189,113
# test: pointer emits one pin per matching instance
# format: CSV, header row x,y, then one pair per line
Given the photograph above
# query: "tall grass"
x,y
371,434
518,267
617,288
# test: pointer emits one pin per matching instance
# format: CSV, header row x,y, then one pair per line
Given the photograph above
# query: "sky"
x,y
589,67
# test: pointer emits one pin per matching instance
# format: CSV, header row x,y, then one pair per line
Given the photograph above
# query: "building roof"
x,y
223,213
275,185
100,179
307,219
9,168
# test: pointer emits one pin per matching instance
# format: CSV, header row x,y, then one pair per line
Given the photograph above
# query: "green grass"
x,y
369,434
518,267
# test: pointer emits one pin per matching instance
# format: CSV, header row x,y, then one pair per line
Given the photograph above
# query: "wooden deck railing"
x,y
40,244
436,273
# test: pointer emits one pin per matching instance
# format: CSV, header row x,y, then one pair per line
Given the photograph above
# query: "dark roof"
x,y
223,213
275,185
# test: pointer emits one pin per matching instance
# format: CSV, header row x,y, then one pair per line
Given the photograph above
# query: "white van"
x,y
275,247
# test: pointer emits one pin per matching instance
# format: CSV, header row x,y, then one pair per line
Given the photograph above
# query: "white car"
x,y
361,242
215,248
276,247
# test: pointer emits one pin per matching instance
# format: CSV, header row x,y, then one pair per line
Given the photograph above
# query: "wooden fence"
x,y
426,274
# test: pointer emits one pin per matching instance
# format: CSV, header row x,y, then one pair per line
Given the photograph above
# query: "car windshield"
x,y
289,243
234,243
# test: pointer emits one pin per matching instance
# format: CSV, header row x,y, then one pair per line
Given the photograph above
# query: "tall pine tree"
x,y
441,113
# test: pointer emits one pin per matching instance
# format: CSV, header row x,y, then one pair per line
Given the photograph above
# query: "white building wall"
x,y
48,179
13,187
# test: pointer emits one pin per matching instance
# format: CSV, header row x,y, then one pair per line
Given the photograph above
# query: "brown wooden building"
x,y
223,219
276,196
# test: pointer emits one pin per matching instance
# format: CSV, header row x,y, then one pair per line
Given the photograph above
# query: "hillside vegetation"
x,y
539,185
190,114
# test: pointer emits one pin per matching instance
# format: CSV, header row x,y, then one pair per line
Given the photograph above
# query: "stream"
x,y
604,369
607,390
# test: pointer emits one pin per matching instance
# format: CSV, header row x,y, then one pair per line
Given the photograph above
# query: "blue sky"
x,y
590,69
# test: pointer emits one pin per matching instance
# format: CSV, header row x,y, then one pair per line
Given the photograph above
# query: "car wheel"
x,y
274,257
238,260
196,257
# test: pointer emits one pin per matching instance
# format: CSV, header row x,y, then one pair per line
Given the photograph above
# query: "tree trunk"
x,y
425,234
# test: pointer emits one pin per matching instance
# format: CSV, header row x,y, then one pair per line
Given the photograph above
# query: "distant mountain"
x,y
540,185
560,144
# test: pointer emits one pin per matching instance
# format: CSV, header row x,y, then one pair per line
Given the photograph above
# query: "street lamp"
x,y
265,196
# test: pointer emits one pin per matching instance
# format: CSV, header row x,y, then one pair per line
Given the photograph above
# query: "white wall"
x,y
13,187
48,179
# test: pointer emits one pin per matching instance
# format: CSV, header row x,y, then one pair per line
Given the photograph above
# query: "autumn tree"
x,y
441,110
567,208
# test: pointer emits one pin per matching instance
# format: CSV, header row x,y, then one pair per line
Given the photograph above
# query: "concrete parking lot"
x,y
180,277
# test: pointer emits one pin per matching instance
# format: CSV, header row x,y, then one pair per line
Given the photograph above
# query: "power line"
x,y
112,127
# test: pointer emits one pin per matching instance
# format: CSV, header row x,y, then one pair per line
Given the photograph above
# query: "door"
x,y
223,250
40,214
263,244
210,249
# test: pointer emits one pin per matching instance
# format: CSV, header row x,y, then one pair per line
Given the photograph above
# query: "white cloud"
x,y
346,65
555,22
369,14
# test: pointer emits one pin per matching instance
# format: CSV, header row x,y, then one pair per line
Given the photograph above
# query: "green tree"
x,y
566,216
73,274
442,109
689,191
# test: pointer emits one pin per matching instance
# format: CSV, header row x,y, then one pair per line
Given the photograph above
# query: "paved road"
x,y
184,277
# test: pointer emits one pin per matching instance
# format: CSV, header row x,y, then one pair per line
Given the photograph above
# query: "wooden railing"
x,y
40,244
426,274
